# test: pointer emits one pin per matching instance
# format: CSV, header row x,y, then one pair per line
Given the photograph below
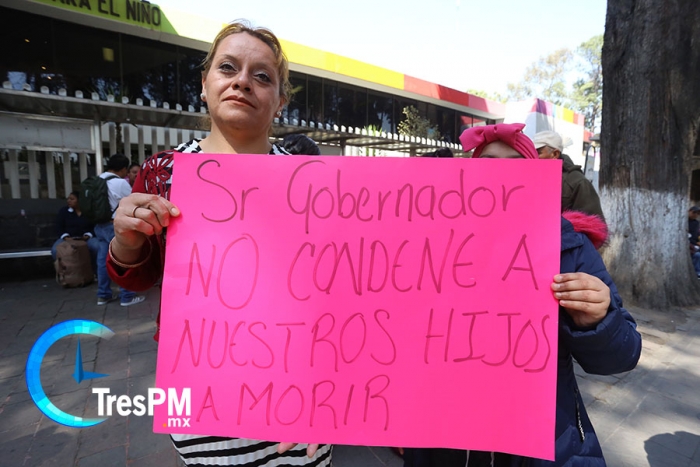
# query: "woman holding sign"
x,y
245,83
594,328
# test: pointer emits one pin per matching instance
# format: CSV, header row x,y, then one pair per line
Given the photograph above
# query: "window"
x,y
445,119
150,71
27,50
88,58
296,107
189,68
380,112
330,102
59,54
352,105
314,99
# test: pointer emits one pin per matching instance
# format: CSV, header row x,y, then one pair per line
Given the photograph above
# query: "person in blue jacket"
x,y
594,328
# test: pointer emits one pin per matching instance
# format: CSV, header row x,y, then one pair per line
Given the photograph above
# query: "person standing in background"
x,y
577,192
694,237
300,144
133,172
595,330
118,188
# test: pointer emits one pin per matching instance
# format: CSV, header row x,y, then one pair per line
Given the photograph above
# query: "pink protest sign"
x,y
374,301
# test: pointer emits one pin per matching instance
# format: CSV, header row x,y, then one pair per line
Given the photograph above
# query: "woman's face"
x,y
133,172
72,201
499,150
242,85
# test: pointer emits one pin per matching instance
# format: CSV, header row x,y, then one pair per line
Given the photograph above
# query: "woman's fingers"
x,y
156,212
139,216
284,447
310,449
581,286
585,297
146,214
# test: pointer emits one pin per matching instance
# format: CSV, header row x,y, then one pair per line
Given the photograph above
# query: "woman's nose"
x,y
242,81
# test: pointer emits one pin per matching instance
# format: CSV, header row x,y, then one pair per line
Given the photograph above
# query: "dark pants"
x,y
424,457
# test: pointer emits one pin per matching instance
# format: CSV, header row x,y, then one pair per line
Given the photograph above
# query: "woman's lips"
x,y
240,100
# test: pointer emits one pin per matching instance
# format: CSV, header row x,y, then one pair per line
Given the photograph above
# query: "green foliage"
x,y
587,95
546,79
573,79
373,129
370,151
494,96
415,125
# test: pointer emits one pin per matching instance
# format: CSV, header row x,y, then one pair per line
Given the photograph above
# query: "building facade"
x,y
83,79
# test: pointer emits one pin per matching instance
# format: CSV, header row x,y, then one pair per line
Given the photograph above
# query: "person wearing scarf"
x,y
594,328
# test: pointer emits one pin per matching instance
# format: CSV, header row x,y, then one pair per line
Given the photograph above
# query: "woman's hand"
x,y
139,216
310,449
586,298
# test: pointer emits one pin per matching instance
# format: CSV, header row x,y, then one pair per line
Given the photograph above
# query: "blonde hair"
x,y
263,34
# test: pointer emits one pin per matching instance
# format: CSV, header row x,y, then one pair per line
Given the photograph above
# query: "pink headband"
x,y
509,133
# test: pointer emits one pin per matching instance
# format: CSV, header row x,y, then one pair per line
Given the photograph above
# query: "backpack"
x,y
94,199
73,265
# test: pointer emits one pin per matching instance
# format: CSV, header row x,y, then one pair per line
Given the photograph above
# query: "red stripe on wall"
x,y
436,91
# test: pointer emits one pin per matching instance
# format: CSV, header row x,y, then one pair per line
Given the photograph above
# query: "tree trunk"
x,y
651,117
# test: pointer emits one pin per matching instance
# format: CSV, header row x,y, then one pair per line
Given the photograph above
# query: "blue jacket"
x,y
613,346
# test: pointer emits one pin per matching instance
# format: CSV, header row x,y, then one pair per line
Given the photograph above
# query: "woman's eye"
x,y
263,77
227,67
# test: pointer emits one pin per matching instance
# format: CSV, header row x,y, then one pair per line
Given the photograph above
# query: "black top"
x,y
693,230
69,222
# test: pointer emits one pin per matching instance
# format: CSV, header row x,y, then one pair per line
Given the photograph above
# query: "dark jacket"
x,y
577,192
693,231
70,223
613,346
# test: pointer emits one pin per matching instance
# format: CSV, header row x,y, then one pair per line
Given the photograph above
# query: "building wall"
x,y
137,62
538,115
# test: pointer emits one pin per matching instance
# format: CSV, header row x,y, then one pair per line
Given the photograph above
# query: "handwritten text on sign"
x,y
375,301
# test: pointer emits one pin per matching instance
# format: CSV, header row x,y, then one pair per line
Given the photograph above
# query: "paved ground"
x,y
648,417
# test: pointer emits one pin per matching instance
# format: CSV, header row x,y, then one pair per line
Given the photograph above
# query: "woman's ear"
x,y
283,102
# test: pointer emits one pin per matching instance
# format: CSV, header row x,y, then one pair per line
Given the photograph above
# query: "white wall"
x,y
521,112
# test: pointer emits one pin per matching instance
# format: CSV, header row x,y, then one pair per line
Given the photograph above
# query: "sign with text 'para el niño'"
x,y
371,301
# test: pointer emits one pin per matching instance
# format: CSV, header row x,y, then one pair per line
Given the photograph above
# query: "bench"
x,y
27,231
25,253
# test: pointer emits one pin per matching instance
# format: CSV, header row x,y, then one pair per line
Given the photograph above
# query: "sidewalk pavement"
x,y
647,417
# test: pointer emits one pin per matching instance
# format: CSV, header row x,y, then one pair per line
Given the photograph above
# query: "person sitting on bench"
x,y
71,223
